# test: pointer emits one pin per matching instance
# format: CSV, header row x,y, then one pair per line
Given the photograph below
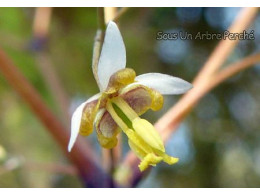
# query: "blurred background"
x,y
218,143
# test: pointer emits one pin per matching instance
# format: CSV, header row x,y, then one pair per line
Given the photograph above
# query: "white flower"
x,y
122,99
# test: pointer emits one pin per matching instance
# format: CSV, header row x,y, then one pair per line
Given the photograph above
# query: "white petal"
x,y
94,97
76,121
113,55
163,83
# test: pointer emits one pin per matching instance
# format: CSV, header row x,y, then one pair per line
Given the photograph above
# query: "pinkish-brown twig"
x,y
225,47
120,13
41,25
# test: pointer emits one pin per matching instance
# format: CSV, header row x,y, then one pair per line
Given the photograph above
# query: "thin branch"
x,y
225,47
233,69
41,21
117,151
54,85
96,53
13,163
120,13
99,38
101,19
219,77
170,121
110,13
82,155
41,25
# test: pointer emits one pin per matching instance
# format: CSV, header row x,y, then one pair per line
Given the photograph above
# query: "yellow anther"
x,y
157,100
148,133
137,150
116,118
120,79
138,142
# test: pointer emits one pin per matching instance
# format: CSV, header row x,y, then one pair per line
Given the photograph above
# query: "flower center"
x,y
144,140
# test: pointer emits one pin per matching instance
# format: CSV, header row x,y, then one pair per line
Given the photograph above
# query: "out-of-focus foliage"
x,y
218,144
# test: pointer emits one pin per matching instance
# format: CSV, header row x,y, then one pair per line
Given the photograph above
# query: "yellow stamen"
x,y
144,140
116,118
120,79
150,159
157,100
128,111
142,127
138,141
137,150
129,132
148,133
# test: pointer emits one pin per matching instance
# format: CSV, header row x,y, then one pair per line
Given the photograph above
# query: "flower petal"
x,y
113,55
163,83
106,129
76,120
138,98
141,98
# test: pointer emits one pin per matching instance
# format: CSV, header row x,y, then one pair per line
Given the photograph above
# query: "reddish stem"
x,y
82,155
